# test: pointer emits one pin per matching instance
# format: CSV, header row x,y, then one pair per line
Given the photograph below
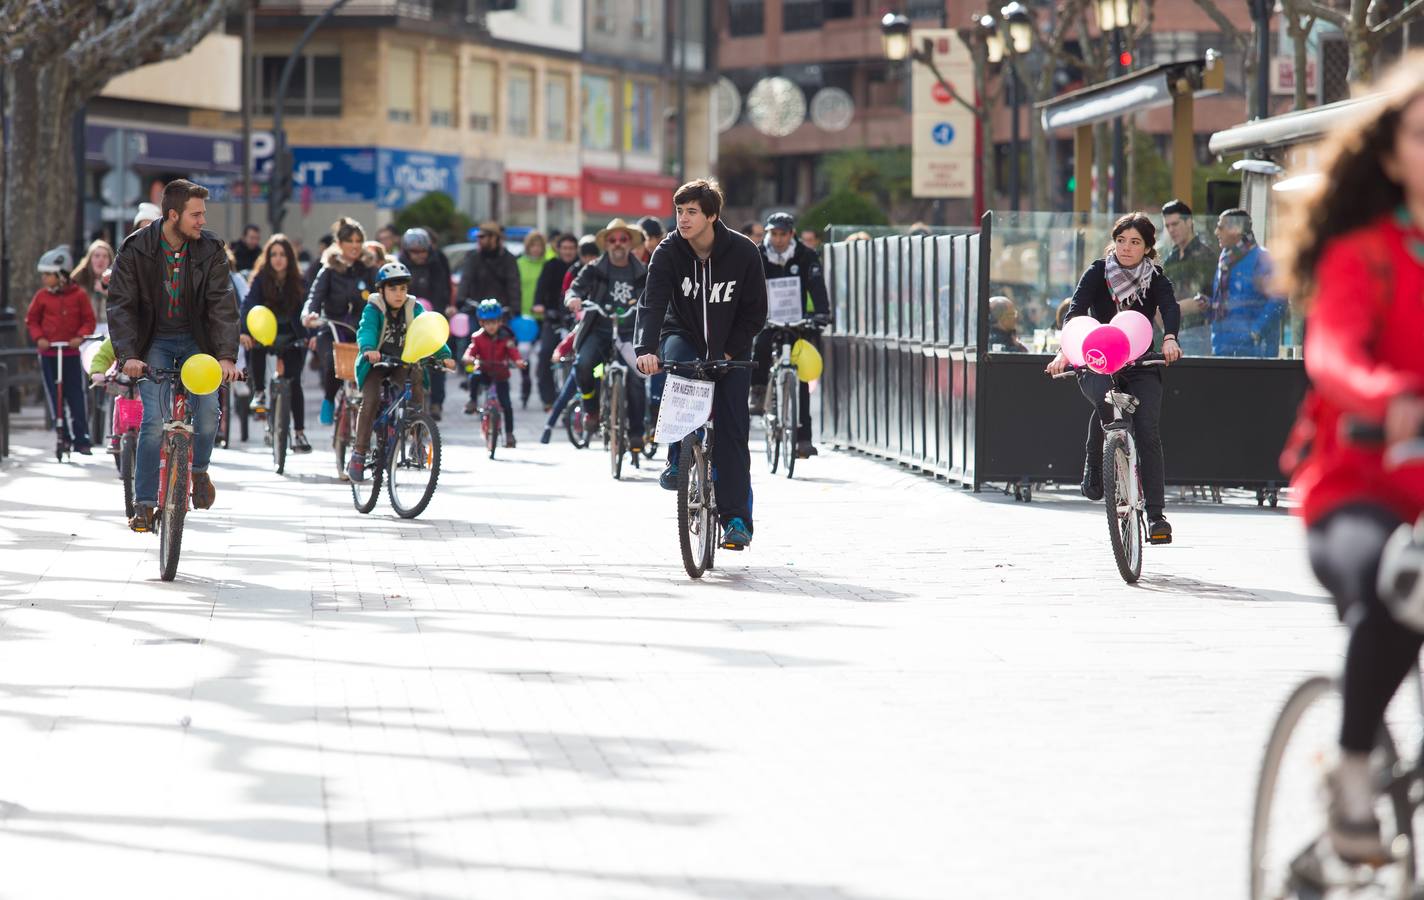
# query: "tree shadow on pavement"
x,y
1179,584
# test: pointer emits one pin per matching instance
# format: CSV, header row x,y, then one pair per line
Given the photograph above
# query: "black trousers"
x,y
1144,383
1345,550
330,384
292,360
731,460
549,337
761,376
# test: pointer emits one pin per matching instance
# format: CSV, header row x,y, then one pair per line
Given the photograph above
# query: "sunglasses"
x,y
618,240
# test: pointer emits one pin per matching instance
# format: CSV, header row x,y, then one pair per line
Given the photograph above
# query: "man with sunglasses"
x,y
491,271
615,281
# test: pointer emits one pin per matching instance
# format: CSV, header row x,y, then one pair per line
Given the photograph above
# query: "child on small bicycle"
x,y
493,350
60,316
384,323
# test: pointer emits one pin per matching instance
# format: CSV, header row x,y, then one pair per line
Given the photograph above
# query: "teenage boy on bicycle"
x,y
384,323
493,351
706,299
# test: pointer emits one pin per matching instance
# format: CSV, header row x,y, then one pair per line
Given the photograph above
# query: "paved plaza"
x,y
904,690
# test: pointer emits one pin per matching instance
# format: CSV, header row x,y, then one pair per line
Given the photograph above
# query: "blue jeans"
x,y
565,397
731,460
169,352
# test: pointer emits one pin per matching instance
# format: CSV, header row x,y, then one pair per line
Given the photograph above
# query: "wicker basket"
x,y
345,357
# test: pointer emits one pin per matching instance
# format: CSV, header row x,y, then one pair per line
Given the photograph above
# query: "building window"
x,y
840,9
400,85
603,16
521,101
925,9
480,80
314,88
597,119
639,100
442,90
642,19
556,107
802,15
746,17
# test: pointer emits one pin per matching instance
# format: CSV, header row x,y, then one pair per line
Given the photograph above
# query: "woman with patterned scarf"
x,y
1245,319
1128,277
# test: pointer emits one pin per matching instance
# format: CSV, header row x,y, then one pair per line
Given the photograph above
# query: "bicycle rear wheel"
x,y
175,505
1124,519
771,427
1291,856
414,466
694,519
280,417
790,394
128,454
365,493
574,424
341,432
617,428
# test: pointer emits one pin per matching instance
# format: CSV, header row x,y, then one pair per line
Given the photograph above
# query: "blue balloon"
x,y
525,329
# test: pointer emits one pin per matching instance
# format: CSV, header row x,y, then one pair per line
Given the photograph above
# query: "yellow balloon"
x,y
427,334
201,374
262,325
807,360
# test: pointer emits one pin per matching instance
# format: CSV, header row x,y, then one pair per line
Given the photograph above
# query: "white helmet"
x,y
147,212
56,261
1401,577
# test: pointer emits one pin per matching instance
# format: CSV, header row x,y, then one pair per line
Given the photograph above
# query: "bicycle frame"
x,y
173,397
387,419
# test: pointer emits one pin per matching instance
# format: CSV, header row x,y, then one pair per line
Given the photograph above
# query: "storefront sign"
x,y
405,176
627,193
942,142
336,174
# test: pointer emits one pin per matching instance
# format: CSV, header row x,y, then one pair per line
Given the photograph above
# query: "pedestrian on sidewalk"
x,y
59,317
1191,264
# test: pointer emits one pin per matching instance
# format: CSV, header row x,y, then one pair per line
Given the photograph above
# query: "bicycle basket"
x,y
345,358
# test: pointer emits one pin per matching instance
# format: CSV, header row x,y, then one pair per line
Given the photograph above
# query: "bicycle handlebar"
x,y
1146,359
591,306
699,367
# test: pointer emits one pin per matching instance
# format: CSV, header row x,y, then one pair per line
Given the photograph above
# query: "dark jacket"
x,y
341,289
1093,298
496,275
804,264
723,296
289,322
593,283
430,281
549,290
137,290
245,256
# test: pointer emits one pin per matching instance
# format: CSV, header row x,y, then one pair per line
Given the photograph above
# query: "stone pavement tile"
x,y
902,691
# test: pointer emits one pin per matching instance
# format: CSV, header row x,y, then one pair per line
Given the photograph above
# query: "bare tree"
x,y
1366,24
1245,43
57,54
1298,28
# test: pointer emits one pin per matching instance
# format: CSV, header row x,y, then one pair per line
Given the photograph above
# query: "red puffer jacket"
x,y
59,316
1361,350
494,353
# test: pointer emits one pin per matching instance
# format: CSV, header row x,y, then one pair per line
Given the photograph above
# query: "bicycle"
x,y
1122,484
782,414
491,417
348,398
697,518
279,403
612,390
127,419
405,448
1291,854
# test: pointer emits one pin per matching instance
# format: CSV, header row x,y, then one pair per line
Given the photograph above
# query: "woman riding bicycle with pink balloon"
x,y
1126,280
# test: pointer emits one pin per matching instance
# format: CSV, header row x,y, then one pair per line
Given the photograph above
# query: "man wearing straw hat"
x,y
614,281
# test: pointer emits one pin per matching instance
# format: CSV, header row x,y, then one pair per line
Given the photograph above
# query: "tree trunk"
x,y
1299,33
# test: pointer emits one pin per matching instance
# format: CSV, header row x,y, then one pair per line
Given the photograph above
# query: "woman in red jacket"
x,y
60,316
1360,258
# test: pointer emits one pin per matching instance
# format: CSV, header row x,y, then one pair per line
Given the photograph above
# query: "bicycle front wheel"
x,y
365,493
175,505
1124,518
1291,855
128,454
574,425
694,518
341,432
617,428
493,422
790,396
98,414
414,466
771,427
279,415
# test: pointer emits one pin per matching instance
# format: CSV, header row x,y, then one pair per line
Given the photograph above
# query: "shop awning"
x,y
616,192
1133,93
538,184
1291,128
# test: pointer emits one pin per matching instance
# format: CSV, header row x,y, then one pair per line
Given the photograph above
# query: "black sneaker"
x,y
1092,485
1159,530
299,443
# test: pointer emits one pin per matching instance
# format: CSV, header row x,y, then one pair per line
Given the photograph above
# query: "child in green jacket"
x,y
384,324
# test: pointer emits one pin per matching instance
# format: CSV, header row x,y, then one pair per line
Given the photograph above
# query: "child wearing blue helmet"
x,y
493,351
384,323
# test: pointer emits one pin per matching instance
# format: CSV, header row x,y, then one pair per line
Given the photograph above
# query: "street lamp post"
x,y
1114,16
1020,39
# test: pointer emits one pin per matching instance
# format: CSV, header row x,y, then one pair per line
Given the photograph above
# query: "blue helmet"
x,y
489,309
392,273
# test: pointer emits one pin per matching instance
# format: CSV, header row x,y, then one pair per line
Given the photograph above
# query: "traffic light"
x,y
279,185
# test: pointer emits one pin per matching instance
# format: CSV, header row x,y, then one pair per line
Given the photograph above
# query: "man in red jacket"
x,y
60,316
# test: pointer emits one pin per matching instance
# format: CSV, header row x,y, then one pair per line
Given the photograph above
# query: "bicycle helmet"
x,y
489,309
415,239
55,261
782,220
1401,577
392,273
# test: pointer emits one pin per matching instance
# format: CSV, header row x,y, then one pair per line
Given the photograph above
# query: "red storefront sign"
x,y
627,193
535,184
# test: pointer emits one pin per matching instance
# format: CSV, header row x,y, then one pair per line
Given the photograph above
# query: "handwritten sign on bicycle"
x,y
783,300
686,407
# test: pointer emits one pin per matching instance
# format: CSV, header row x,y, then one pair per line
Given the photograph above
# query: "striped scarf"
x,y
1128,286
174,287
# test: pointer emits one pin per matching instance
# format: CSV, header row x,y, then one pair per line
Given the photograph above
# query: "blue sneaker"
x,y
668,480
328,412
736,537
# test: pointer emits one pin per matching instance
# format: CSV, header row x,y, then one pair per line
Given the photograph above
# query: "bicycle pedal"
x,y
1159,541
728,545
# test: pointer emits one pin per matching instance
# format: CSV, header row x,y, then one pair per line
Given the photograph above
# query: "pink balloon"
x,y
1138,329
1070,340
1106,349
426,304
460,325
